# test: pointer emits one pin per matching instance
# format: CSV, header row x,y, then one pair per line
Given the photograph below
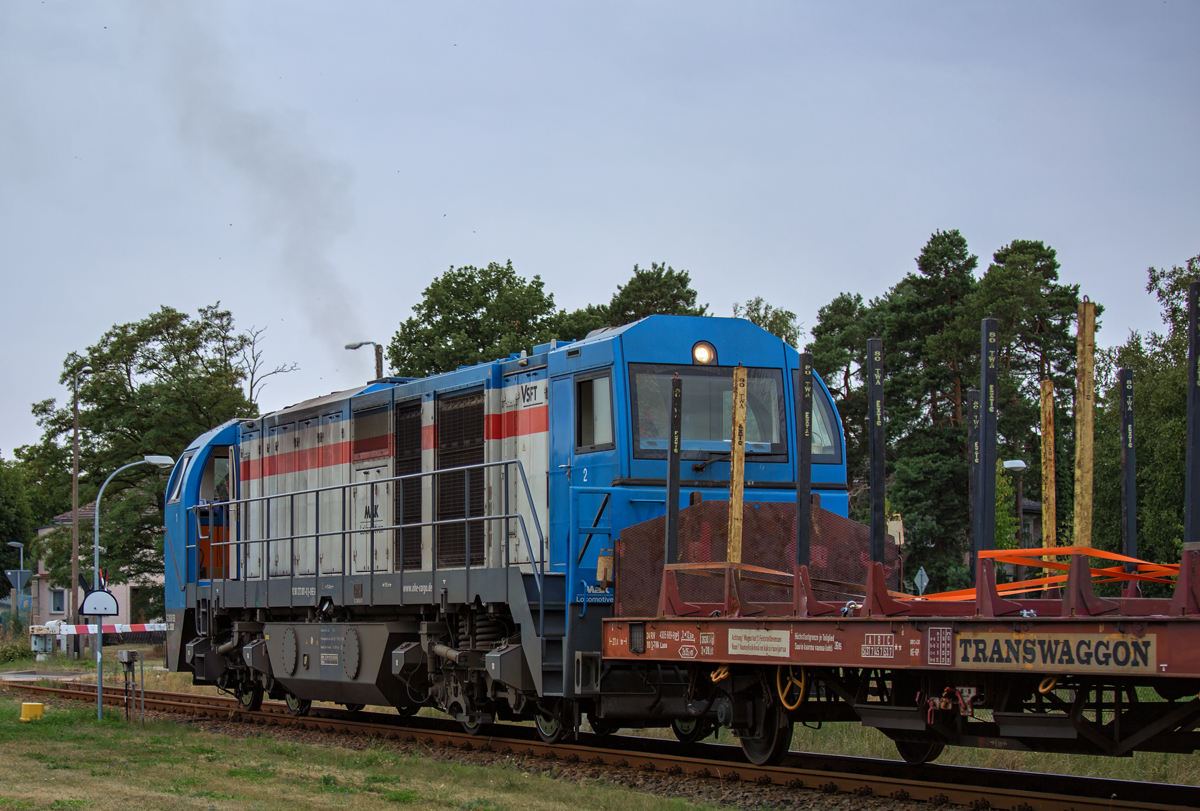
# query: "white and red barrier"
x,y
68,630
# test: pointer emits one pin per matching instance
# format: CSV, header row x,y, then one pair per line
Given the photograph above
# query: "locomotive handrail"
x,y
536,562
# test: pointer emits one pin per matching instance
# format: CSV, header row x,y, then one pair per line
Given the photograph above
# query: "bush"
x,y
14,645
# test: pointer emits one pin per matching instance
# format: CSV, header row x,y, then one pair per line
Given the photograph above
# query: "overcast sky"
x,y
314,166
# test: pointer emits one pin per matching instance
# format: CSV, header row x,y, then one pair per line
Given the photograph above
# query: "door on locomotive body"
x,y
253,511
370,500
279,483
304,510
213,520
582,462
334,453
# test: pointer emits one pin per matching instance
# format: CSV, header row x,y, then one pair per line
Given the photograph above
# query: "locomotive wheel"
x,y
407,710
601,727
690,730
549,728
355,707
918,752
250,699
298,706
769,749
476,727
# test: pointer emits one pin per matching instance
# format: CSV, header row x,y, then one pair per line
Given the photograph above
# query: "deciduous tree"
x,y
468,315
775,320
154,385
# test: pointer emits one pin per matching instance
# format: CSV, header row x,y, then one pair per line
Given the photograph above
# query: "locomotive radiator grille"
x,y
408,492
460,435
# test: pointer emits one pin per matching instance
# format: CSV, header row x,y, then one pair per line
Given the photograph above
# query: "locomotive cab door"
x,y
562,458
582,461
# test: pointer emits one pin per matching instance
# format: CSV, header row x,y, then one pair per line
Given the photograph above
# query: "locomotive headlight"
x,y
704,353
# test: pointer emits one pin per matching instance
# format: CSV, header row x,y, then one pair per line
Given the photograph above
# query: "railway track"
x,y
937,785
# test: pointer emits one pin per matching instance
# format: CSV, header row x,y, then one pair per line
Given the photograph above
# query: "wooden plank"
x,y
1084,412
737,464
1049,502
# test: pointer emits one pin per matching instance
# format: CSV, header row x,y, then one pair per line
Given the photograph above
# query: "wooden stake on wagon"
x,y
737,464
1049,502
1084,410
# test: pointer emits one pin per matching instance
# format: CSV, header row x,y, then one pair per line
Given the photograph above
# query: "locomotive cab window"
x,y
707,411
181,471
593,413
826,441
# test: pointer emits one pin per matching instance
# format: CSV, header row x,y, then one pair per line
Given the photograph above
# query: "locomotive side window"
x,y
826,442
707,411
180,474
593,413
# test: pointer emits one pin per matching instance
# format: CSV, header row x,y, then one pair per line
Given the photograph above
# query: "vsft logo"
x,y
528,393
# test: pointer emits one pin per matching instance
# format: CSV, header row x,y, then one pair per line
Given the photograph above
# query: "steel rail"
x,y
938,785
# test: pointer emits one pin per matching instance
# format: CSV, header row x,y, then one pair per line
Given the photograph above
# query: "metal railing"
x,y
233,516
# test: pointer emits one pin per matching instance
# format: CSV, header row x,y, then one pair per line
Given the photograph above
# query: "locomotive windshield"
x,y
707,411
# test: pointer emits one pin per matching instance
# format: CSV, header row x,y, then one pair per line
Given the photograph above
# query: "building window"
x,y
58,601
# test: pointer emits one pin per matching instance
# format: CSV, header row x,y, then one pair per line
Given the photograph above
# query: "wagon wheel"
x,y
773,739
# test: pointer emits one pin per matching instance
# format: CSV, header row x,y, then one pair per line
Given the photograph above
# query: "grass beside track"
x,y
71,760
834,739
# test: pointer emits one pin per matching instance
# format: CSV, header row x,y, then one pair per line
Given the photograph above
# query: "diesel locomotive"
x,y
449,541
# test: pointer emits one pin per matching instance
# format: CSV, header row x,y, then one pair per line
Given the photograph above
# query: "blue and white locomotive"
x,y
445,541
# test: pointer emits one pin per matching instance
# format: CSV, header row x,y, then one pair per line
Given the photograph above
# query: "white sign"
x,y
99,604
921,580
752,642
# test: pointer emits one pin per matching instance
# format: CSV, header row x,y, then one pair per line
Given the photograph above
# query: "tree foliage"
x,y
930,326
775,320
657,290
16,514
469,315
152,387
1159,363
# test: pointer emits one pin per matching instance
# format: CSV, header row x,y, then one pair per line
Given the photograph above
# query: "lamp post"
x,y
378,355
1017,468
159,462
75,510
20,571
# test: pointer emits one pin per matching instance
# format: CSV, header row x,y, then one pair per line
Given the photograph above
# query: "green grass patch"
x,y
66,758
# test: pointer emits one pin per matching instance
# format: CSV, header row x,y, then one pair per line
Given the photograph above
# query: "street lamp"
x,y
378,355
1017,468
20,571
75,509
159,462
